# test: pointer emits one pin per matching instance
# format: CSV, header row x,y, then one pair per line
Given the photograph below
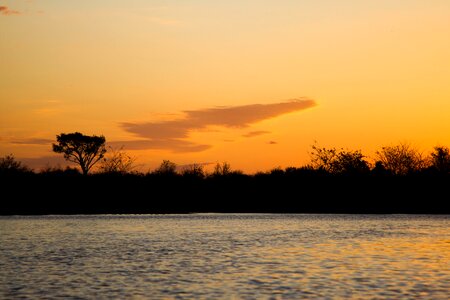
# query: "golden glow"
x,y
378,71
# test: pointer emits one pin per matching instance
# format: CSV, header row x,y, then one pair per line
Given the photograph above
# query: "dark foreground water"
x,y
225,256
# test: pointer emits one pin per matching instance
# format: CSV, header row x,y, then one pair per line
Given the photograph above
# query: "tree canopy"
x,y
9,165
117,161
166,168
82,149
401,159
340,161
440,159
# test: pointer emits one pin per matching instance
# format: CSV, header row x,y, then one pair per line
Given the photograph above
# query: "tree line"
x,y
89,151
400,179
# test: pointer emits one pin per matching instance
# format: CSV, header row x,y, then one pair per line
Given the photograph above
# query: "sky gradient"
x,y
254,83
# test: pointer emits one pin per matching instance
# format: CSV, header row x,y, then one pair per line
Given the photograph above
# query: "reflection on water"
x,y
225,256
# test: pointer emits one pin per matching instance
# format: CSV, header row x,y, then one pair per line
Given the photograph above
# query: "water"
x,y
225,256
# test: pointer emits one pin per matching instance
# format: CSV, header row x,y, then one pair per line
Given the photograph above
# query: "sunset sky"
x,y
251,82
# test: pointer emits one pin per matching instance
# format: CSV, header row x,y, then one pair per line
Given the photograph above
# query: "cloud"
x,y
4,10
255,133
32,141
175,145
173,134
49,108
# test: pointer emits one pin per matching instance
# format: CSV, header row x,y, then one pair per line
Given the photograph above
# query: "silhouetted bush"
x,y
380,170
59,171
10,166
440,159
278,171
194,170
117,161
222,169
166,168
339,161
401,159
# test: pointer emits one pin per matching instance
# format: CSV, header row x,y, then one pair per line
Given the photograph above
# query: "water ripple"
x,y
225,256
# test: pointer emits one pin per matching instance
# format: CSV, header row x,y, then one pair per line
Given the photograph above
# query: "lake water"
x,y
225,256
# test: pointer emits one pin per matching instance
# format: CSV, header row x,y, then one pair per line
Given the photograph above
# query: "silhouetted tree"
x,y
84,150
222,169
440,159
339,161
166,168
307,170
193,170
322,158
379,169
9,165
278,171
117,161
401,159
350,162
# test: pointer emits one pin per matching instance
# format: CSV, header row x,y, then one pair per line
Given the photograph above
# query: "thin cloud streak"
x,y
32,141
255,133
175,145
172,134
4,10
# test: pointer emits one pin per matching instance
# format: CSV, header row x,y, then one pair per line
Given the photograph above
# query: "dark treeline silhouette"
x,y
399,180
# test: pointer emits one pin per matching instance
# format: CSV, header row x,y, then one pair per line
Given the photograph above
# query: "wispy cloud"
x,y
255,133
32,141
175,145
6,11
47,111
173,134
49,108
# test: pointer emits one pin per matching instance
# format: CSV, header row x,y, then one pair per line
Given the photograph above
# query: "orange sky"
x,y
254,83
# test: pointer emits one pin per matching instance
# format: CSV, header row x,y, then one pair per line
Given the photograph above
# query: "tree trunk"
x,y
85,170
